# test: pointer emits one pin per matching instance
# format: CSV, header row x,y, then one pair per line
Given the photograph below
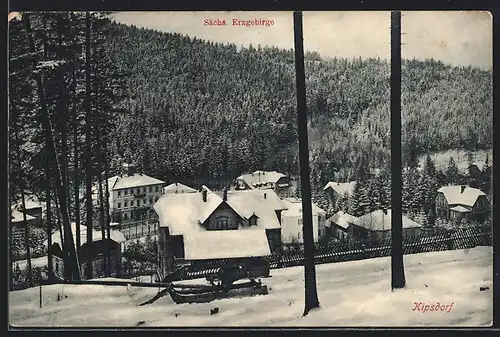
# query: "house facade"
x,y
93,252
376,226
292,221
459,202
132,197
234,219
338,225
335,190
263,180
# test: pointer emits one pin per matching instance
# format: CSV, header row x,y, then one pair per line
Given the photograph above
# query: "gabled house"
x,y
263,180
178,188
94,251
336,190
377,225
17,230
337,226
292,221
190,222
132,196
457,202
33,207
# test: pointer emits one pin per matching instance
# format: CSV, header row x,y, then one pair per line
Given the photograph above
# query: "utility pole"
x,y
311,294
397,266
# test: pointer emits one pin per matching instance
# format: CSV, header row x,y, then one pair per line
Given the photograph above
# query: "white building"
x,y
131,196
291,221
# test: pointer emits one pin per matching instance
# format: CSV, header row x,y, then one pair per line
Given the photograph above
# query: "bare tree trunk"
x,y
108,210
76,179
397,266
88,140
311,294
49,220
71,262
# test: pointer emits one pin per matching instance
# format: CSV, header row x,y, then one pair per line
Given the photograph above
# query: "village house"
x,y
205,225
292,221
33,207
96,250
336,189
178,188
263,180
18,225
457,202
132,197
377,226
337,226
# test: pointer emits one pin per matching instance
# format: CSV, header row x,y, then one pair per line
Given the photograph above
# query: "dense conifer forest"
x,y
198,110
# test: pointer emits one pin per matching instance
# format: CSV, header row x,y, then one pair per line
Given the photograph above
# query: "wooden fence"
x,y
430,241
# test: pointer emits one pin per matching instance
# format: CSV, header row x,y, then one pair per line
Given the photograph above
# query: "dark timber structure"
x,y
397,266
311,294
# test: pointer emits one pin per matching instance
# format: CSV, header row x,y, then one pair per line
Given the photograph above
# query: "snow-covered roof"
x,y
31,201
455,196
184,212
340,188
178,188
294,208
341,219
261,178
379,221
115,235
249,242
135,180
18,216
460,209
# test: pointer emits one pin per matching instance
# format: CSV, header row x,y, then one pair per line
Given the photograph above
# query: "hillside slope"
x,y
199,110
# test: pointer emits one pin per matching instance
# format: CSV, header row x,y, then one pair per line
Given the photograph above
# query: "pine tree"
x,y
452,174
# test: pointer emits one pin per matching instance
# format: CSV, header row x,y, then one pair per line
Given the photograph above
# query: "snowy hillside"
x,y
351,294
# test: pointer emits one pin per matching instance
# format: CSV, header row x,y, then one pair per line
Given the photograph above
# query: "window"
x,y
119,194
144,201
144,190
125,216
138,191
156,188
222,222
126,192
125,204
150,189
150,200
119,205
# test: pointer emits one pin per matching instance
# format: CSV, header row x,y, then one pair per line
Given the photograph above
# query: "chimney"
x,y
128,169
204,195
462,188
224,196
265,195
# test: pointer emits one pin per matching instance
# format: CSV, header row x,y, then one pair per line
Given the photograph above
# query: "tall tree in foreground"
x,y
72,271
397,267
88,142
311,294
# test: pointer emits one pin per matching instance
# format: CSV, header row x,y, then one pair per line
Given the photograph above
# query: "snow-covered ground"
x,y
352,294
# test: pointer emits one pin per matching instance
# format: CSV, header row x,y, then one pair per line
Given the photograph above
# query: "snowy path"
x,y
353,293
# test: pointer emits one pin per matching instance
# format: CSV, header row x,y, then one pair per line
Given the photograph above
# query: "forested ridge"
x,y
204,111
